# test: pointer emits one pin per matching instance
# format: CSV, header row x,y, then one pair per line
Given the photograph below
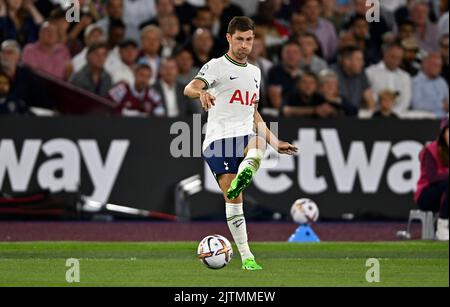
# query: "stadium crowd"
x,y
319,58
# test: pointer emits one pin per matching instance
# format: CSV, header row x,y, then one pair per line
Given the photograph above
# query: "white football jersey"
x,y
236,89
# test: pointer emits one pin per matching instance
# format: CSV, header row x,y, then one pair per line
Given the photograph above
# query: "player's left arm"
x,y
263,131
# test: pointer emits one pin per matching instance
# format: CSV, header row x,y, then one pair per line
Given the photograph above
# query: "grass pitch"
x,y
175,264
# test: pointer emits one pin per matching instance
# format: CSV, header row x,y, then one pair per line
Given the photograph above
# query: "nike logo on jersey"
x,y
233,78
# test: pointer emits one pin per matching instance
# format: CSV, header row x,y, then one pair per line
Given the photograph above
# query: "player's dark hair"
x,y
242,24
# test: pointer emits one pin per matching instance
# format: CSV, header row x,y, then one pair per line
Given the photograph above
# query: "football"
x,y
215,252
304,211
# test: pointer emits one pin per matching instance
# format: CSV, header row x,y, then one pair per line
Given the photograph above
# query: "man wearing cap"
x,y
410,62
93,77
93,34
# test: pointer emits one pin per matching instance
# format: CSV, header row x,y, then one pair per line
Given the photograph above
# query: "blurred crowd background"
x,y
319,58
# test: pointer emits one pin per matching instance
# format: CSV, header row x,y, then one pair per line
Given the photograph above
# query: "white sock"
x,y
238,228
252,160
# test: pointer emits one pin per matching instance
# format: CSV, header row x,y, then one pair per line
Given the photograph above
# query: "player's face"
x,y
241,44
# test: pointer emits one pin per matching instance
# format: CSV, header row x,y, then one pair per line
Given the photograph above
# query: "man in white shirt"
x,y
151,44
135,13
388,75
123,70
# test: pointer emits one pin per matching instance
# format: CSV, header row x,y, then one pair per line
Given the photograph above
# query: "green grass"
x,y
175,264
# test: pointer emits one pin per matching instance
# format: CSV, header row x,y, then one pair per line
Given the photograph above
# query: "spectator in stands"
x,y
174,101
354,85
164,8
170,30
185,12
427,32
430,91
377,29
329,89
135,13
258,58
75,37
267,24
310,61
432,187
151,47
114,11
19,20
47,55
360,30
388,75
444,23
93,34
322,28
123,70
411,61
282,77
230,10
202,47
138,99
333,14
186,70
9,104
93,77
298,26
406,29
216,7
346,39
203,19
58,18
116,35
443,44
305,101
24,84
386,102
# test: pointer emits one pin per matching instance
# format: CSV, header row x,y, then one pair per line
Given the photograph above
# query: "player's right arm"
x,y
197,90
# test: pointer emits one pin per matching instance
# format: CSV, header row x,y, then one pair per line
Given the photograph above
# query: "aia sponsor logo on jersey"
x,y
243,99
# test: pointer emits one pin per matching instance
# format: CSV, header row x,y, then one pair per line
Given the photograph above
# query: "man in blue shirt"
x,y
430,91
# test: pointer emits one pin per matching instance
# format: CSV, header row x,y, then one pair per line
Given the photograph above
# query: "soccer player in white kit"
x,y
236,135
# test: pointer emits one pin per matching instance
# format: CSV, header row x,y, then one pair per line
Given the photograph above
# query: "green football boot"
x,y
251,265
240,183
